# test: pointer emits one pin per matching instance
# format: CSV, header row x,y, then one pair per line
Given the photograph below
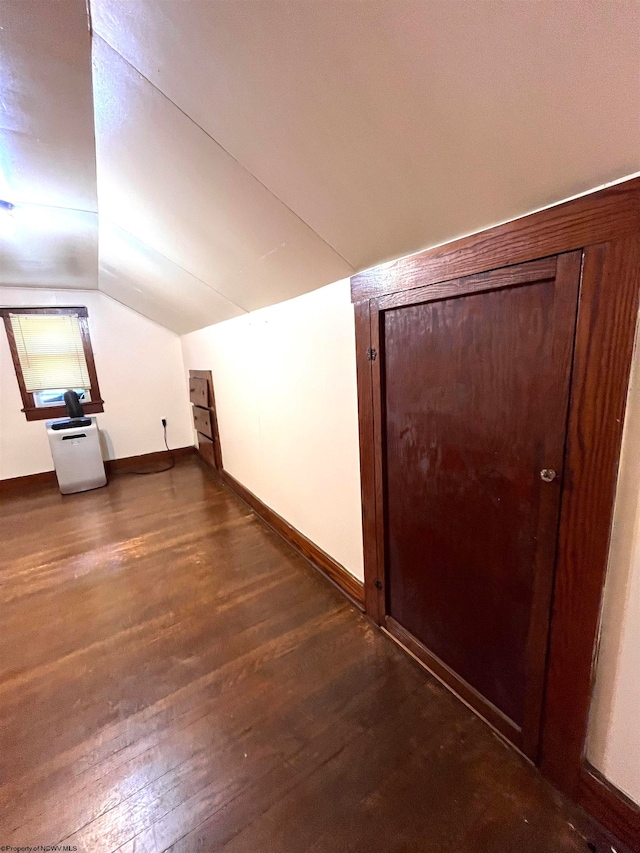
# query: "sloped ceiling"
x,y
165,181
251,151
47,146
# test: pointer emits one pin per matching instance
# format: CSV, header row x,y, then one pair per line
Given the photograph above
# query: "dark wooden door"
x,y
475,381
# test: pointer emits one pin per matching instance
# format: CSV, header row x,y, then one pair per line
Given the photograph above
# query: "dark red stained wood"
x,y
199,391
496,719
602,216
205,416
610,807
604,344
206,450
367,444
492,280
52,412
202,421
566,295
377,379
475,401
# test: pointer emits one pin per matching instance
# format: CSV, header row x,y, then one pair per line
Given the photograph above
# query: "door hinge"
x,y
377,584
371,354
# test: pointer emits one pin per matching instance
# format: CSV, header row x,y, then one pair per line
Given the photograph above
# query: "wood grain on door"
x,y
475,399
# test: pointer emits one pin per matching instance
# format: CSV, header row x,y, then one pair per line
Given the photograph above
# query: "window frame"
x,y
41,413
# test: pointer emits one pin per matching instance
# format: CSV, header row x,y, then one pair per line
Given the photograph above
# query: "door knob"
x,y
548,475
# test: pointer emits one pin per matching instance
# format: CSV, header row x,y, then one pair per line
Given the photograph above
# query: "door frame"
x,y
605,227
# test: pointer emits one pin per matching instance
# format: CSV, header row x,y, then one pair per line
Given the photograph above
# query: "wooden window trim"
x,y
605,227
31,411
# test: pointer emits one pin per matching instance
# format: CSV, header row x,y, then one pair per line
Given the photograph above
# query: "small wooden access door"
x,y
205,421
474,379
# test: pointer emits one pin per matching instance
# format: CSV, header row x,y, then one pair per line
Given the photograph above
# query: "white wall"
x,y
285,386
614,731
141,376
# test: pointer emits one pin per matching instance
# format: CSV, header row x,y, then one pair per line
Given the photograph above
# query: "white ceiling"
x,y
47,146
251,151
142,278
165,181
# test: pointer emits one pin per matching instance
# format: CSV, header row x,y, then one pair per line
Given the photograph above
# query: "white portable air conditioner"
x,y
77,458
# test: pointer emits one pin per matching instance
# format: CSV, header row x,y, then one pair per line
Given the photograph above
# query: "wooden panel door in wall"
x,y
474,378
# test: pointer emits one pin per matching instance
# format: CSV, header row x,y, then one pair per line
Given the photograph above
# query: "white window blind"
x,y
50,351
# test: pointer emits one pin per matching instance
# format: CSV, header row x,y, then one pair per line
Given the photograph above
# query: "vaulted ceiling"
x,y
196,159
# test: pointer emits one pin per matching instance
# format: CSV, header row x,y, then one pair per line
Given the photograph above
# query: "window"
x,y
51,352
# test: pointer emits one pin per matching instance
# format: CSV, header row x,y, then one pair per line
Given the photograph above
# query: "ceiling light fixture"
x,y
7,224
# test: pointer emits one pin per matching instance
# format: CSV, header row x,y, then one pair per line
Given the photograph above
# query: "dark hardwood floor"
x,y
173,676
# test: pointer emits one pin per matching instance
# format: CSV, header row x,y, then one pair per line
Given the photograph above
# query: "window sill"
x,y
50,413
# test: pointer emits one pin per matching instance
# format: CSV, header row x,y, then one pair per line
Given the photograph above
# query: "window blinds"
x,y
50,351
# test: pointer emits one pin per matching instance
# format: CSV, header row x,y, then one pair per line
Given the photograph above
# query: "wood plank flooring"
x,y
174,677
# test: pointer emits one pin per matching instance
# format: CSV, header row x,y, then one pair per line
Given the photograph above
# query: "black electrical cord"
x,y
168,467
